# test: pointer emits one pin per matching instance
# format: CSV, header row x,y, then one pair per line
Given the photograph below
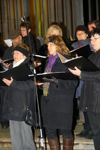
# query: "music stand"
x,y
32,67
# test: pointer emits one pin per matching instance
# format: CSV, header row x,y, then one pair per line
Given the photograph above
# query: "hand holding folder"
x,y
8,82
23,73
76,71
6,63
19,73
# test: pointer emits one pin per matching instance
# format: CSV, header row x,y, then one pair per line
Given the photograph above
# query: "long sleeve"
x,y
90,75
22,85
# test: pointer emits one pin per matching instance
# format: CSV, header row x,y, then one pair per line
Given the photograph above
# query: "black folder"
x,y
81,62
58,75
19,73
82,51
8,61
37,58
23,73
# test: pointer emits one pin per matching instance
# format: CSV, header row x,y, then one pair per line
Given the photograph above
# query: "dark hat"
x,y
51,40
82,28
14,34
22,50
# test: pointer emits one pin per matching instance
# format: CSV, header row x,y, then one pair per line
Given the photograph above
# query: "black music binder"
x,y
19,73
82,51
37,58
81,62
23,73
58,75
8,61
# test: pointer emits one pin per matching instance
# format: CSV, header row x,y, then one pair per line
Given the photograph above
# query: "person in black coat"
x,y
17,95
16,39
35,43
54,29
57,99
81,34
90,96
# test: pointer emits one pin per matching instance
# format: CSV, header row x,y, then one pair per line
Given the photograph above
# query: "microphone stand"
x,y
35,86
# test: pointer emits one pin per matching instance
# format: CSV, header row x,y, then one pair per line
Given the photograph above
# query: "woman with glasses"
x,y
90,96
81,35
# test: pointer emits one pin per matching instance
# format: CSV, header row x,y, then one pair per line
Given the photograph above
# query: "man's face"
x,y
91,27
17,41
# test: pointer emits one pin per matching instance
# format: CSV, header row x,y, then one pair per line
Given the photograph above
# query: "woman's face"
x,y
95,42
81,35
52,48
55,32
18,56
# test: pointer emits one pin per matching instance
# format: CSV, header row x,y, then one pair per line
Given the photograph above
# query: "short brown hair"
x,y
96,22
24,25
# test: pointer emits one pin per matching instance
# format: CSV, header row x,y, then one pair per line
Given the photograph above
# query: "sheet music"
x,y
62,58
8,42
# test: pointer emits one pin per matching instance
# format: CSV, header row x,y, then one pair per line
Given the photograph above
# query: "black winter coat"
x,y
16,97
35,43
8,54
90,96
57,107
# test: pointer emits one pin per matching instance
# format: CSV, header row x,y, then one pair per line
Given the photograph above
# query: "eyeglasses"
x,y
94,39
80,34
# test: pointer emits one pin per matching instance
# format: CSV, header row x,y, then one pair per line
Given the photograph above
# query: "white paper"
x,y
8,42
40,56
64,60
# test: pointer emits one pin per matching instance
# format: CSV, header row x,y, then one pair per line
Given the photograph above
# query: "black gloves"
x,y
52,80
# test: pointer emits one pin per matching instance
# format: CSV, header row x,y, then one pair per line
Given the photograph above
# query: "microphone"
x,y
23,19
